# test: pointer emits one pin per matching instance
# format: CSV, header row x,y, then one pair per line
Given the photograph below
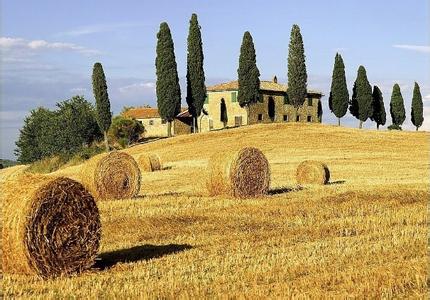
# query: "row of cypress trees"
x,y
167,87
367,104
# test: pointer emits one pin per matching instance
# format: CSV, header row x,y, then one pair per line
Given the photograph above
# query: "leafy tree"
x,y
339,96
378,108
168,89
248,74
196,89
417,107
65,131
79,123
28,144
397,107
104,115
361,101
297,76
125,131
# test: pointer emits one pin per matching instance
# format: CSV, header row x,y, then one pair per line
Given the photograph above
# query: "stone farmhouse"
x,y
221,109
273,106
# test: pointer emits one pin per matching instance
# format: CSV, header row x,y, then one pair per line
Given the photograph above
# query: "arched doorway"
x,y
271,109
223,113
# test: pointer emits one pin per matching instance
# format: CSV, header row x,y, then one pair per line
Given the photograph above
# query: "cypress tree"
x,y
248,74
397,107
103,113
378,107
417,107
361,101
168,89
297,76
196,89
339,96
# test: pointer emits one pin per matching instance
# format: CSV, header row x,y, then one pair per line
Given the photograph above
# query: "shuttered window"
x,y
286,99
207,99
233,96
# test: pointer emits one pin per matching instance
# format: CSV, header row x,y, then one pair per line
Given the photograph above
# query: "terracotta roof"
x,y
264,85
144,112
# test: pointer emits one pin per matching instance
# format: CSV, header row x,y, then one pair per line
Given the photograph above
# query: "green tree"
x,y
339,96
168,89
79,124
103,113
125,131
248,74
361,101
297,76
417,107
28,148
378,107
397,107
196,89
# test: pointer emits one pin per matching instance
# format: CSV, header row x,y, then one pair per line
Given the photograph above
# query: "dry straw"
x,y
51,226
149,162
243,173
312,172
113,175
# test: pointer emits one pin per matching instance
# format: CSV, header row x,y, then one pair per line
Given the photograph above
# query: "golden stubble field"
x,y
363,235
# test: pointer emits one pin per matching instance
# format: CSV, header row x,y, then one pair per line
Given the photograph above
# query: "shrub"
x,y
394,127
125,131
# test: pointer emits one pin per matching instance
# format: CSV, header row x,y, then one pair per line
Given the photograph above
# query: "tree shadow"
x,y
336,182
158,195
107,260
166,168
284,189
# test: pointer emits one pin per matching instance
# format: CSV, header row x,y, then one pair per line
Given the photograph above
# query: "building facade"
x,y
223,109
150,119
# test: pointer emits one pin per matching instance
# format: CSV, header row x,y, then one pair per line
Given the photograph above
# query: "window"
x,y
151,122
238,121
260,117
211,124
309,101
233,96
309,118
286,99
163,121
207,99
271,108
298,119
285,118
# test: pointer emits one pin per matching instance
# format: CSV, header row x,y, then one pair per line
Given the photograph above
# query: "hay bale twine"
x,y
312,172
149,162
51,226
243,173
113,175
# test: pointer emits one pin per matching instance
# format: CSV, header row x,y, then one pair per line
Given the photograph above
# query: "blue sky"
x,y
48,48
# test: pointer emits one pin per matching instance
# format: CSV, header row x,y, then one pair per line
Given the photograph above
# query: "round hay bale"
x,y
243,173
51,226
113,175
312,172
149,162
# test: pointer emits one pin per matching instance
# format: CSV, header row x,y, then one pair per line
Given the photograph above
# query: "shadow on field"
x,y
284,189
158,195
145,252
166,168
336,182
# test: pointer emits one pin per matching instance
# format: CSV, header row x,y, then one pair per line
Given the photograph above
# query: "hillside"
x,y
364,234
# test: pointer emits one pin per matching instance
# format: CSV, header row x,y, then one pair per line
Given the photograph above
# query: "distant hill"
x,y
8,163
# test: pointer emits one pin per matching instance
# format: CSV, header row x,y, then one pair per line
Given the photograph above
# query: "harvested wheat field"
x,y
364,234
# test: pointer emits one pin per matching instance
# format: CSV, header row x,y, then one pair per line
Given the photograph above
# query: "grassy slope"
x,y
365,234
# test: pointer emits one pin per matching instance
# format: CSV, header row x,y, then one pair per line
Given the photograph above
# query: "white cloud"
x,y
8,43
427,97
417,48
98,28
136,87
78,90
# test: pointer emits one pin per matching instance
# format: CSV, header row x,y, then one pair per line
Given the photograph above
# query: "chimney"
x,y
275,79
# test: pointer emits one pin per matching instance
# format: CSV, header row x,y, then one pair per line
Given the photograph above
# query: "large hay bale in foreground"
x,y
243,173
149,162
113,175
51,226
312,172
